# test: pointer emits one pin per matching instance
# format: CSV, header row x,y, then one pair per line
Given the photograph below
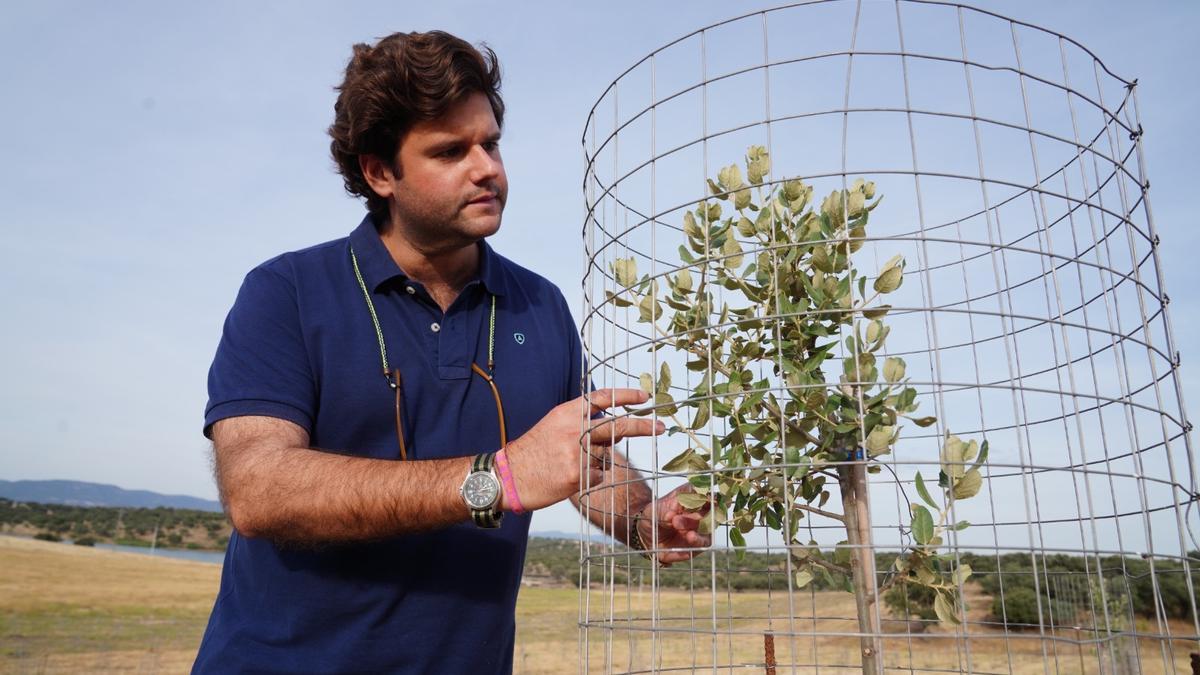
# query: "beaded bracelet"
x,y
510,485
636,542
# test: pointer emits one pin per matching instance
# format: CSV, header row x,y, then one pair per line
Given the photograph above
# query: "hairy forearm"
x,y
296,495
612,503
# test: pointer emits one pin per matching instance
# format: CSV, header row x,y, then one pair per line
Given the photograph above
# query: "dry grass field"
x,y
67,609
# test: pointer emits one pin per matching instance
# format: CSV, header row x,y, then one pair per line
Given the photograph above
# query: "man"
x,y
363,387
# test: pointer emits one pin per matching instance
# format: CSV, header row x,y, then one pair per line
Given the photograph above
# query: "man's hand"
x,y
548,461
678,528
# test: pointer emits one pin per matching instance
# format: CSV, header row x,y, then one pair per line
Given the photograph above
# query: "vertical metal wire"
x,y
1107,643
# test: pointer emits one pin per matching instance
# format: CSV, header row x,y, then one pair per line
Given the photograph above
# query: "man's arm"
x,y
615,498
274,486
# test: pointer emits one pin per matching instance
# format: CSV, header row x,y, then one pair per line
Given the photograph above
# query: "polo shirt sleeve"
x,y
262,366
575,365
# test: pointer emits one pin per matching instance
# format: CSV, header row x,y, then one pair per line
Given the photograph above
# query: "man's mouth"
x,y
485,198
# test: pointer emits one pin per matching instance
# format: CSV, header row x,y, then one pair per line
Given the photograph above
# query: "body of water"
x,y
182,554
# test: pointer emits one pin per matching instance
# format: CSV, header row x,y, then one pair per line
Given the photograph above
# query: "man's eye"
x,y
450,153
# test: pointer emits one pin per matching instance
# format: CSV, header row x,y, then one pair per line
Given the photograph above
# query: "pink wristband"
x,y
510,485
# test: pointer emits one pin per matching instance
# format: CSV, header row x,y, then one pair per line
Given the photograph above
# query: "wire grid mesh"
x,y
1032,315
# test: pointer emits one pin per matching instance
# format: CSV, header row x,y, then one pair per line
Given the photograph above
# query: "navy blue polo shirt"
x,y
299,345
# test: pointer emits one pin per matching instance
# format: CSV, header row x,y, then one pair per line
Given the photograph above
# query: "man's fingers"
x,y
600,457
687,522
603,399
609,431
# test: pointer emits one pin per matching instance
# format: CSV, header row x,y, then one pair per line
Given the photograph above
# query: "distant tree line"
x,y
1060,590
177,528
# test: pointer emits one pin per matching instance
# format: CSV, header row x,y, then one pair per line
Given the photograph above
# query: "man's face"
x,y
449,188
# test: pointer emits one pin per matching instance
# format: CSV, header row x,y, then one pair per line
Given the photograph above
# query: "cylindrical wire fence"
x,y
829,383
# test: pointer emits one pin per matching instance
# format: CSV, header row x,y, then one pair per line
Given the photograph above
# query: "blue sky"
x,y
155,152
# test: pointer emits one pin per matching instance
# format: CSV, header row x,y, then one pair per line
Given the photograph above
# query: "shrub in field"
x,y
1019,607
910,600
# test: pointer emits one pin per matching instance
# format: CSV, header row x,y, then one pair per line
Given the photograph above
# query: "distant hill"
x,y
572,536
77,493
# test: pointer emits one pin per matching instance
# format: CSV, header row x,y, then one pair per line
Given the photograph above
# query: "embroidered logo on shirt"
x,y
519,337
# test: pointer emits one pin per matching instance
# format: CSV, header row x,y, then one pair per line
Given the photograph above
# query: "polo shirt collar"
x,y
378,267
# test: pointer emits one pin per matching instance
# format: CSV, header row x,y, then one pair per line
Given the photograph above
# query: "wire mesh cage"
x,y
890,273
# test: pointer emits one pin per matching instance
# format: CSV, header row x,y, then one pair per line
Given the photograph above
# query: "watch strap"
x,y
487,518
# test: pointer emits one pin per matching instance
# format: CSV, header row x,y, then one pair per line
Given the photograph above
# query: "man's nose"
x,y
486,166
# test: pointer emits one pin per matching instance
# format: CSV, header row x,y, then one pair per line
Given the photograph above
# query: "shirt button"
x,y
410,290
434,327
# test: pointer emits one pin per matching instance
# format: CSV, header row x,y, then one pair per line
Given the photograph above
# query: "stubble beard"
x,y
435,231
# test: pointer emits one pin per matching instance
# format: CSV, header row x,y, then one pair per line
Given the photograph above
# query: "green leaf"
x,y
945,610
625,271
924,492
889,280
879,440
617,299
745,227
855,203
803,578
874,330
690,227
893,369
713,213
968,486
665,404
758,164
924,421
730,178
762,222
683,282
646,382
876,312
971,451
685,255
922,524
703,411
962,573
961,525
735,536
648,309
820,258
952,456
732,250
691,501
679,462
741,199
983,454
664,378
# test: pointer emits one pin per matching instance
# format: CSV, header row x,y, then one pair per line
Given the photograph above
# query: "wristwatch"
x,y
481,491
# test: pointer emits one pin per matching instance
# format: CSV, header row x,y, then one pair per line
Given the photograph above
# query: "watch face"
x,y
480,490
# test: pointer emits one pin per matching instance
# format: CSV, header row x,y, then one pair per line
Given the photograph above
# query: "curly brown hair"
x,y
405,78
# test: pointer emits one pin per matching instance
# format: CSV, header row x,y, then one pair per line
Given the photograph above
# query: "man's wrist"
x,y
636,542
509,499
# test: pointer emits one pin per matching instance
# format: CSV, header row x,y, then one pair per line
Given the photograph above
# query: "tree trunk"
x,y
853,481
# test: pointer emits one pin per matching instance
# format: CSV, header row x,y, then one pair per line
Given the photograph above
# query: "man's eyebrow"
x,y
447,140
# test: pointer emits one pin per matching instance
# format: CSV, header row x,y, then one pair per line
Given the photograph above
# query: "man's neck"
x,y
443,272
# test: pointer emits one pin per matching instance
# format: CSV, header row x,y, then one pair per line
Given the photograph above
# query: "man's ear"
x,y
378,174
